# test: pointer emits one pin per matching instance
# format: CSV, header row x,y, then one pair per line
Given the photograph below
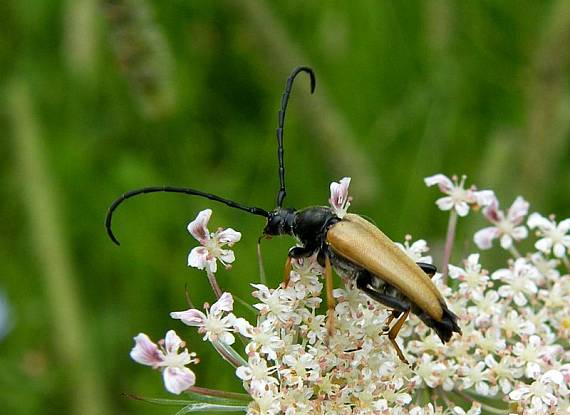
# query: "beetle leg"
x,y
287,273
363,283
394,333
389,319
429,269
330,297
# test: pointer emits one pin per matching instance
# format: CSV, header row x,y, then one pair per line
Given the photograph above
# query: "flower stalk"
x,y
449,239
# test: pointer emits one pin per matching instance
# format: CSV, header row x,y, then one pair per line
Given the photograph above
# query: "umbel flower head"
x,y
513,357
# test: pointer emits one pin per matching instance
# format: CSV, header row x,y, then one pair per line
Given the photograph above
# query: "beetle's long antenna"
x,y
171,189
284,101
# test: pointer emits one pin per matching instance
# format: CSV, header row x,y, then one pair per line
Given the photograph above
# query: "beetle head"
x,y
280,222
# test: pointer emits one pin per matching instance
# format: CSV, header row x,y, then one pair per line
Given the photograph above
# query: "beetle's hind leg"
x,y
393,333
399,308
394,314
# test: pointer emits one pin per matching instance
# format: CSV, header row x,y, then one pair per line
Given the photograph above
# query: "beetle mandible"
x,y
354,247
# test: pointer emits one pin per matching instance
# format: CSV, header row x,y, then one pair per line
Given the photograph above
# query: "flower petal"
x,y
190,317
543,245
518,210
484,238
228,236
506,241
491,212
462,208
442,181
484,197
198,257
145,351
172,342
178,379
444,203
559,250
564,226
227,256
224,303
198,227
537,221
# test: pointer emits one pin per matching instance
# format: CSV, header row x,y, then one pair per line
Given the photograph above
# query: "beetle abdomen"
x,y
444,328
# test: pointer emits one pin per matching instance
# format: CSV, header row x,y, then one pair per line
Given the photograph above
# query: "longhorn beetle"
x,y
354,247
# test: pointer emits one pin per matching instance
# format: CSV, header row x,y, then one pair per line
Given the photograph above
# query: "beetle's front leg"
x,y
295,252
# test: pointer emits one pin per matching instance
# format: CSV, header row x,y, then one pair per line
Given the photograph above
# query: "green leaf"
x,y
209,407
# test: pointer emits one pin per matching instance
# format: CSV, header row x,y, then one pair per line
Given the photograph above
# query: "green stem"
x,y
514,251
262,277
566,262
219,393
451,225
484,406
214,284
229,354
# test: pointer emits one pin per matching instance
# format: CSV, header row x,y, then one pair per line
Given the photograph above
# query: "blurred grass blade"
x,y
143,54
80,37
547,122
46,232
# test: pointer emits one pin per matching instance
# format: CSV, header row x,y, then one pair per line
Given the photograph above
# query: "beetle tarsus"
x,y
394,333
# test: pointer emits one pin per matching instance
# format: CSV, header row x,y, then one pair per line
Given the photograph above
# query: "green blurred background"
x,y
98,97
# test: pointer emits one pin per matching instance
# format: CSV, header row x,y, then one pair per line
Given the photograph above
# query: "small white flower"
x,y
472,277
538,395
278,303
458,197
476,375
427,372
257,373
265,402
177,377
506,226
486,306
300,366
546,267
213,324
305,274
503,371
554,237
339,200
512,323
264,339
416,250
518,281
528,355
207,255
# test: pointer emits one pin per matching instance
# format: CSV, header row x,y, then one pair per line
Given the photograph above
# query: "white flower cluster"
x,y
513,356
